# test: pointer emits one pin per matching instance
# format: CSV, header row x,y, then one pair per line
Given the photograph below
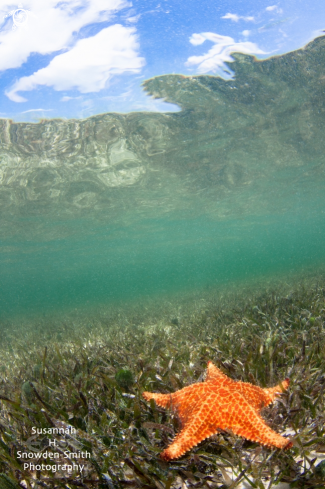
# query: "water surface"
x,y
120,207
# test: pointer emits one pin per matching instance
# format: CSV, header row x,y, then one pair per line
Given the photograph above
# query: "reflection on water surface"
x,y
231,186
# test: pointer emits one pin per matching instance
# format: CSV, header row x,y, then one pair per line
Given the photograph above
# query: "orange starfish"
x,y
220,403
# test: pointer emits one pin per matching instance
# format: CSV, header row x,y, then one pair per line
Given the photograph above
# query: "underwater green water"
x,y
122,265
122,207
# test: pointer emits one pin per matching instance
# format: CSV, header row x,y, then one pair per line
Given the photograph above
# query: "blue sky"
x,y
77,58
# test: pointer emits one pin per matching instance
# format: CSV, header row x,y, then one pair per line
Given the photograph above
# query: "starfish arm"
x,y
162,400
254,395
198,427
246,422
258,397
182,402
214,373
274,392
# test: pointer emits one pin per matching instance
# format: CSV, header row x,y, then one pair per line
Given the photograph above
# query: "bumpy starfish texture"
x,y
220,403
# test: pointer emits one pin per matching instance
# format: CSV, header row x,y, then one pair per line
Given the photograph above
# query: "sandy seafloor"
x,y
169,326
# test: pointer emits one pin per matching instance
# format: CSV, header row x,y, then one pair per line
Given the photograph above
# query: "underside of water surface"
x,y
228,190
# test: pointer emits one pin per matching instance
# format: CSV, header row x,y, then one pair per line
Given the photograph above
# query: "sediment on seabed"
x,y
89,372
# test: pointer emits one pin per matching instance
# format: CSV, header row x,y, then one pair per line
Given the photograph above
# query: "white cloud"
x,y
246,33
220,53
133,19
51,27
66,98
236,18
275,8
89,65
233,17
